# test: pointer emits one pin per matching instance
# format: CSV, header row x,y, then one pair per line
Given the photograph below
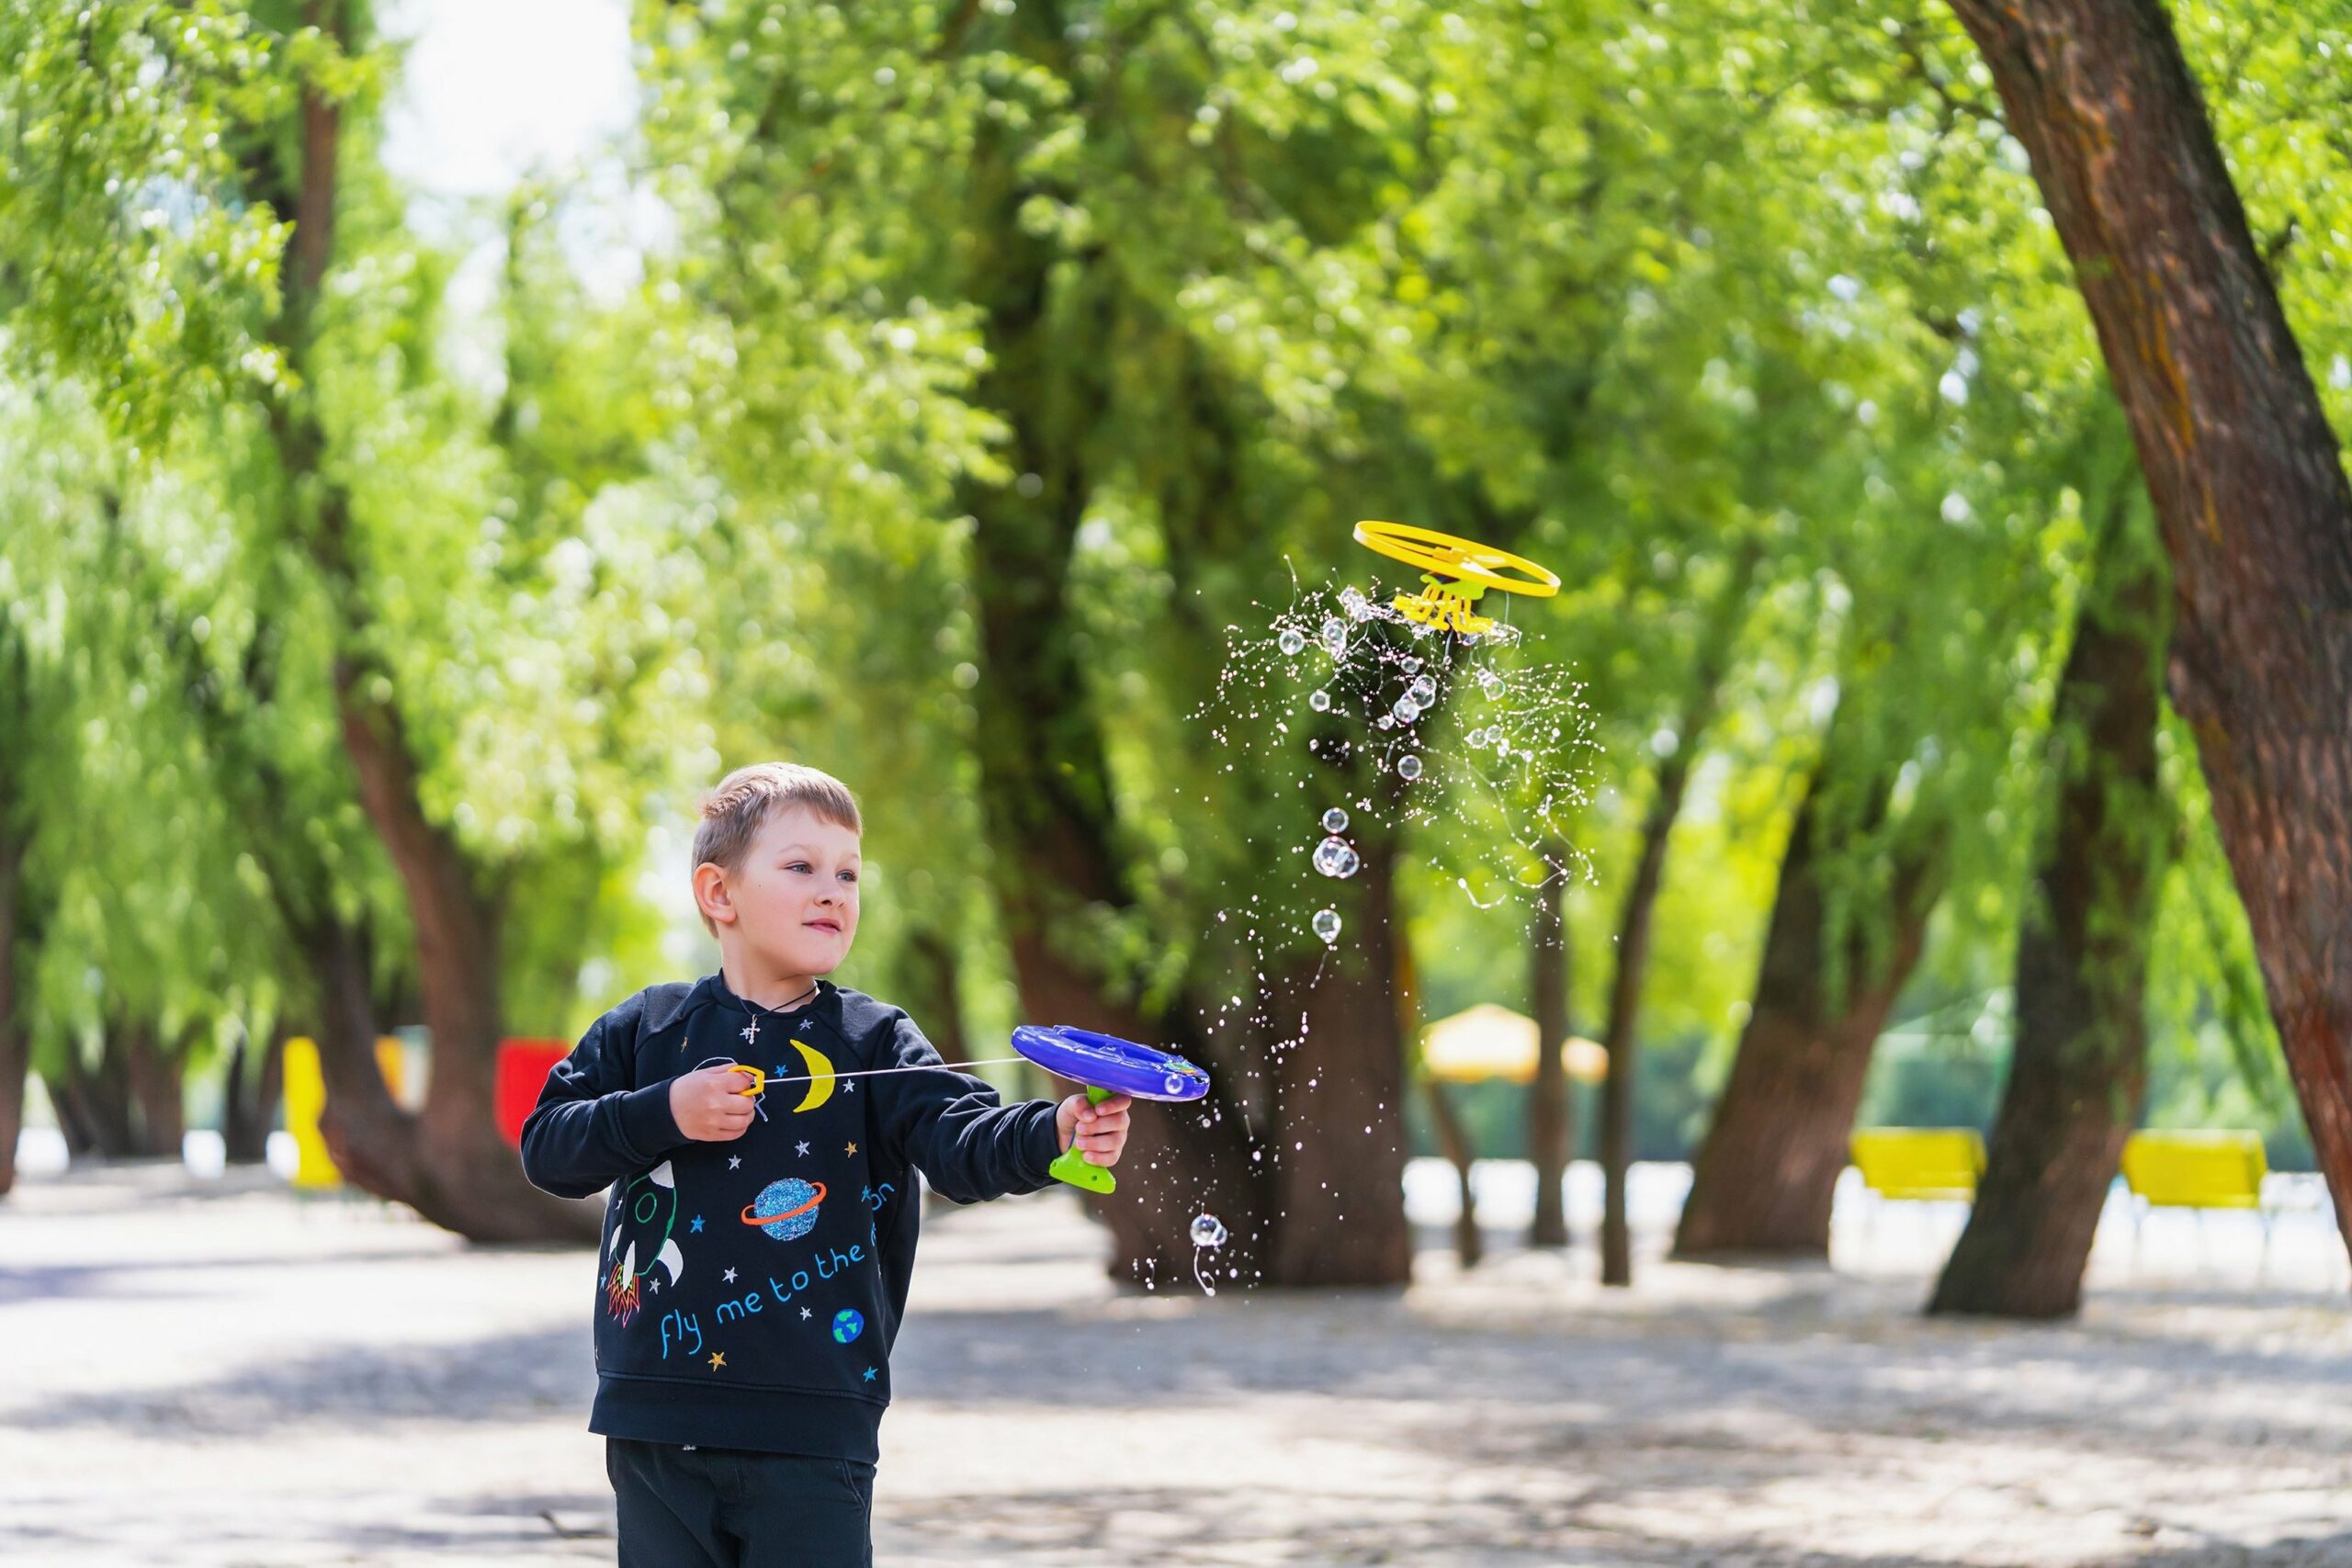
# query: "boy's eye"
x,y
797,865
849,876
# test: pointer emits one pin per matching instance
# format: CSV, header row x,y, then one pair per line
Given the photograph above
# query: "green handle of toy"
x,y
1074,1168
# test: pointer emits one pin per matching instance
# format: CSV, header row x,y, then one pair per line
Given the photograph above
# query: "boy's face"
x,y
793,903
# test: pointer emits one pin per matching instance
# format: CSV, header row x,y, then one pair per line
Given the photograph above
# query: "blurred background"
x,y
439,438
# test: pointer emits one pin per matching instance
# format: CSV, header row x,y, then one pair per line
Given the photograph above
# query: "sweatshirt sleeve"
x,y
951,1126
593,1125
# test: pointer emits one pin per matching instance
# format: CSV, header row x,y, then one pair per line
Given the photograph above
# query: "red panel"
x,y
523,1069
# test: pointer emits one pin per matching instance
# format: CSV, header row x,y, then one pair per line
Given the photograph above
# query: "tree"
x,y
1109,448
2079,1068
1949,579
2245,471
493,695
19,923
1718,638
1550,1125
1766,1175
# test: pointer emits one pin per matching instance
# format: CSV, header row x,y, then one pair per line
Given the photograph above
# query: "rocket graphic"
x,y
649,1212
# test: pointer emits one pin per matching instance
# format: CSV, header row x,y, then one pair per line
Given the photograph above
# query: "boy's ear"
x,y
710,894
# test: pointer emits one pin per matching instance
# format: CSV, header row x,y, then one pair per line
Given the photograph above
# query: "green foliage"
x,y
1646,293
118,261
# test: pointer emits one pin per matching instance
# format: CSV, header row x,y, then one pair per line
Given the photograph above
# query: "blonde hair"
x,y
733,814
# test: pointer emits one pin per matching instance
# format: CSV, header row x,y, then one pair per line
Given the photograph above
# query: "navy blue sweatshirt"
x,y
748,1292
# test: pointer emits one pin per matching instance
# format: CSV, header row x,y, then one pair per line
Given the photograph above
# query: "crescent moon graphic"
x,y
820,1078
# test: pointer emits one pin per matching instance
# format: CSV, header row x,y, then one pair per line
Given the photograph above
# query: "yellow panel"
x,y
1920,1162
2196,1170
304,1094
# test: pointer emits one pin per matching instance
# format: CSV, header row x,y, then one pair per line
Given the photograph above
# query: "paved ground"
x,y
217,1373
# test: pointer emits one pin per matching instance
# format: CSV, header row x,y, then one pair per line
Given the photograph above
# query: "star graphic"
x,y
849,1085
695,1229
734,1162
657,1286
869,1374
804,1315
728,1276
850,1150
718,1359
800,1148
779,1070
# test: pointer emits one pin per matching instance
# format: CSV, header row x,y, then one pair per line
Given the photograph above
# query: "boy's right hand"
x,y
710,1105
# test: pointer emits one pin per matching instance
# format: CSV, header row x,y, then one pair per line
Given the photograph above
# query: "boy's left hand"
x,y
1101,1130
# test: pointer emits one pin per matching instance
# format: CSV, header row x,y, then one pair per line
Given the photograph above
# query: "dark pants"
x,y
732,1508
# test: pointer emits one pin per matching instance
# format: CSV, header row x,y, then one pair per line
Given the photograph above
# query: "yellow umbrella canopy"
x,y
1492,1042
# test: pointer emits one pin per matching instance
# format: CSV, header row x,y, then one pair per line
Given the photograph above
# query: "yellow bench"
x,y
2198,1171
1936,1164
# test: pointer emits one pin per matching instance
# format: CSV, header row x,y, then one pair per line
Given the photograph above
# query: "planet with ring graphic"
x,y
785,1210
848,1324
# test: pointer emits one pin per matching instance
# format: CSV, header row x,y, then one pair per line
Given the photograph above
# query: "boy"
x,y
756,1246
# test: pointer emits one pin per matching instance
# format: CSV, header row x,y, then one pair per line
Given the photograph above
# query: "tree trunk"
x,y
370,1137
1712,664
1469,1242
1625,1006
1767,1175
15,1064
1549,1117
2247,479
93,1103
2080,1065
463,1175
74,1123
1045,792
152,1075
1338,1126
250,1098
16,1040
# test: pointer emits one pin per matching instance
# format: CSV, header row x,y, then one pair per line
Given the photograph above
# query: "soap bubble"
x,y
1405,711
1408,768
1476,738
1358,608
1208,1231
1335,637
1327,924
1320,701
1291,639
1335,821
1423,690
1411,665
1335,857
1491,683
